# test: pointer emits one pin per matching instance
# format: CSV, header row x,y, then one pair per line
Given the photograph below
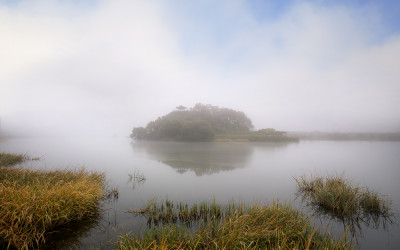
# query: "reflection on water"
x,y
70,237
202,158
136,179
244,172
356,225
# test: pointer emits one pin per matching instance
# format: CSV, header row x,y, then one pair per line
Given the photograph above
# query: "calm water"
x,y
193,172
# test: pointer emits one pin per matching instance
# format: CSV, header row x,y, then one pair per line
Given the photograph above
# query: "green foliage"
x,y
139,133
197,131
206,123
199,123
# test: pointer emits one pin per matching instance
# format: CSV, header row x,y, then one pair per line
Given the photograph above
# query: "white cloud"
x,y
119,64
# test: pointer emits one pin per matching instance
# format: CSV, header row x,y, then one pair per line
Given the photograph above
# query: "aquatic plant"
x,y
167,212
36,203
7,159
137,178
339,198
112,192
258,227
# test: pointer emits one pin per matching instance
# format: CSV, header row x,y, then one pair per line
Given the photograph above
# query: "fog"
x,y
104,67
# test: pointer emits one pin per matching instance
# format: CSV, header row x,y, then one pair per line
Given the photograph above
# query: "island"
x,y
205,122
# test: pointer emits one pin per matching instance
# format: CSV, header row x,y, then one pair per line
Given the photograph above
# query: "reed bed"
x,y
339,197
35,203
7,159
167,211
276,226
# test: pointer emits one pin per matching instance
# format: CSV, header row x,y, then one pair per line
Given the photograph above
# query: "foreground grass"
x,y
35,203
276,226
338,197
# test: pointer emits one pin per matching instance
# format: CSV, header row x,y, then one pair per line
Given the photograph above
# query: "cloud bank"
x,y
105,67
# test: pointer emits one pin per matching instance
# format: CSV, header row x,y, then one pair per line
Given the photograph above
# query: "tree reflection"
x,y
204,158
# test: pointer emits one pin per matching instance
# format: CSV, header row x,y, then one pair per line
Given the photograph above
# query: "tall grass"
x,y
166,211
36,203
7,159
338,197
255,227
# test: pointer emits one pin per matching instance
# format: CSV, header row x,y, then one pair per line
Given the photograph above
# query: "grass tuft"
x,y
36,203
255,227
336,196
7,159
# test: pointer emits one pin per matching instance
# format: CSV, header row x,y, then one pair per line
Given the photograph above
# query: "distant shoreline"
x,y
336,136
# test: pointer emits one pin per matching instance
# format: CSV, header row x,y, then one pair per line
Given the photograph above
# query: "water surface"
x,y
192,172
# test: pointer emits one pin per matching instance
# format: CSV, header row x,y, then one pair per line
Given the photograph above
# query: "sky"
x,y
70,67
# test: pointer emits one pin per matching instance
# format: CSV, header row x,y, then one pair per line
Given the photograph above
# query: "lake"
x,y
193,172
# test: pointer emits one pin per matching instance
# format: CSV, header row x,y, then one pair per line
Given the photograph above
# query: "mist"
x,y
104,67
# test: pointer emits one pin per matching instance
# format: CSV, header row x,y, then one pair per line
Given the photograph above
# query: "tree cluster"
x,y
199,123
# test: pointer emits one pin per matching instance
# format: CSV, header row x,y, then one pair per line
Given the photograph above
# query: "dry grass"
x,y
35,203
276,226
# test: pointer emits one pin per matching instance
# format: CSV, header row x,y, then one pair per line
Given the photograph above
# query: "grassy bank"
x,y
231,227
254,136
338,197
34,204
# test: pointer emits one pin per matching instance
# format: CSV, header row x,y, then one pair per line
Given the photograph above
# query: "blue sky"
x,y
103,67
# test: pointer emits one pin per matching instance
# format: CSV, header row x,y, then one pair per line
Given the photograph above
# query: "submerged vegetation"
x,y
230,227
35,204
136,179
205,123
338,198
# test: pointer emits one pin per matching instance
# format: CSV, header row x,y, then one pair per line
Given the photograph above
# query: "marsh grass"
x,y
136,179
35,203
340,199
168,211
7,159
253,227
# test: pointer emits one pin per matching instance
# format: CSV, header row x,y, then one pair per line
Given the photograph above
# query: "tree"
x,y
197,131
139,133
199,123
181,108
223,120
171,129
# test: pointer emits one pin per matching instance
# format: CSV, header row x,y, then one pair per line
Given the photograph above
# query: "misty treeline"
x,y
201,123
355,136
